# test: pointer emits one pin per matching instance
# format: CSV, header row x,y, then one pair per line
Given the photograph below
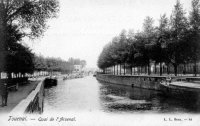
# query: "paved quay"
x,y
15,97
186,85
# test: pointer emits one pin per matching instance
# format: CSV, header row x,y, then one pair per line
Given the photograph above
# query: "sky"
x,y
85,26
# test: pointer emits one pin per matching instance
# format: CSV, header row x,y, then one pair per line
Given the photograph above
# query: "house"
x,y
77,68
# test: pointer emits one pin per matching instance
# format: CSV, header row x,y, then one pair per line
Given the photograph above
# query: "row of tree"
x,y
19,19
56,64
26,62
28,18
175,41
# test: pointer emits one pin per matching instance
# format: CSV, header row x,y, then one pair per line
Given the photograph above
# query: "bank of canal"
x,y
90,95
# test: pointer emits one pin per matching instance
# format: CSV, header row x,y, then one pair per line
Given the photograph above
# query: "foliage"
x,y
30,16
194,20
56,64
174,41
19,19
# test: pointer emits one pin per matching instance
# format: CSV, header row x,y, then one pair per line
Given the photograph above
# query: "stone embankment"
x,y
34,102
146,82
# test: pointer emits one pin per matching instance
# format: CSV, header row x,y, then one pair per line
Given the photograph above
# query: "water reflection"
x,y
120,98
88,94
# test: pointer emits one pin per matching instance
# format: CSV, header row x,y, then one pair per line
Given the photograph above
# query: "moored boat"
x,y
180,88
50,81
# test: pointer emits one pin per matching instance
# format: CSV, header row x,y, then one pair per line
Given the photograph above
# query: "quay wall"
x,y
146,82
34,103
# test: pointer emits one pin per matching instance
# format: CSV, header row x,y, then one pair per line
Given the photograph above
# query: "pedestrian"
x,y
168,80
4,94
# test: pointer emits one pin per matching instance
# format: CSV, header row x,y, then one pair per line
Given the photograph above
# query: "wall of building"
x,y
147,82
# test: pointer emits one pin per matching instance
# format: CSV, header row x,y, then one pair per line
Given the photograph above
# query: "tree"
x,y
40,63
11,47
23,18
19,60
83,63
113,52
173,42
122,49
162,37
131,49
30,16
148,39
195,31
179,26
140,55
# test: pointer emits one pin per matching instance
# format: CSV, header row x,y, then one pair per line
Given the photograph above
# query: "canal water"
x,y
89,95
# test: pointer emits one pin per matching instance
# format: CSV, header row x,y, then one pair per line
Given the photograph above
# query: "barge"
x,y
182,88
50,81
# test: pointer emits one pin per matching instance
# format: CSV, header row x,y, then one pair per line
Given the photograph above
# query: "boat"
x,y
50,81
180,87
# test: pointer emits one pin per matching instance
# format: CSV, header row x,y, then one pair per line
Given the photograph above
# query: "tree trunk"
x,y
124,68
120,69
175,69
117,69
9,75
114,69
163,69
184,69
131,70
139,70
195,68
168,69
149,69
160,69
104,71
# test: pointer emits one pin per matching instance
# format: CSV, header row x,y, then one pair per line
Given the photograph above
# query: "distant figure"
x,y
169,79
4,94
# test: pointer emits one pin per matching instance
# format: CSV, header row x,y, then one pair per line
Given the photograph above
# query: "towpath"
x,y
15,97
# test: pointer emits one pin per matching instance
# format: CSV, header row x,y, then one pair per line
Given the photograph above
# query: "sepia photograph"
x,y
99,62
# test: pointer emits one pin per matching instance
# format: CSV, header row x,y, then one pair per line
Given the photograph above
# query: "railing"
x,y
13,81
